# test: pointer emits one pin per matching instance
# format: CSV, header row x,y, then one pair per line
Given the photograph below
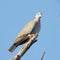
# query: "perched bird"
x,y
32,27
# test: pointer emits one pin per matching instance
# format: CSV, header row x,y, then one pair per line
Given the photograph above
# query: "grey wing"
x,y
23,35
27,30
20,40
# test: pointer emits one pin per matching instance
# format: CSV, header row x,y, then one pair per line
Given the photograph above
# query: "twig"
x,y
42,55
25,48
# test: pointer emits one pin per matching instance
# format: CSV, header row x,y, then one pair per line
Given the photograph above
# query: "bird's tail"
x,y
12,48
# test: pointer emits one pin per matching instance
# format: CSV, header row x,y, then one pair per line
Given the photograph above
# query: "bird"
x,y
32,27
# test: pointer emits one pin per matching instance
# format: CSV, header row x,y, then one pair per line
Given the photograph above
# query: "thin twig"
x,y
42,55
25,48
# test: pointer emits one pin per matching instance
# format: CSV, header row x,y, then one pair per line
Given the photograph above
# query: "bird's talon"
x,y
31,35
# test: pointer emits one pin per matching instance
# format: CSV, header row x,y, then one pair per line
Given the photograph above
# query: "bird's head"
x,y
38,16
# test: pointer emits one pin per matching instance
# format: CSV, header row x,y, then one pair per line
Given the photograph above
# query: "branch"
x,y
42,55
25,48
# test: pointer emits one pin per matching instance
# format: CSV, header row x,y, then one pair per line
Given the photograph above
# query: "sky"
x,y
14,14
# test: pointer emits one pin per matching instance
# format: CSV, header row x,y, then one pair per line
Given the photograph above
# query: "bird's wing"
x,y
26,30
19,41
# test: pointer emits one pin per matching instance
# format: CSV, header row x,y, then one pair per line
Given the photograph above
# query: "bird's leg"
x,y
30,36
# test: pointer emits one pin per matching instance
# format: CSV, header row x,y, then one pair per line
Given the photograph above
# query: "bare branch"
x,y
25,48
42,55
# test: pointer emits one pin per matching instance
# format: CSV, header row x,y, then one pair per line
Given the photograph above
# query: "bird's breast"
x,y
36,28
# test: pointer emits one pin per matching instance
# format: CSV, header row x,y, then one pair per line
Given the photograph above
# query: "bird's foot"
x,y
30,35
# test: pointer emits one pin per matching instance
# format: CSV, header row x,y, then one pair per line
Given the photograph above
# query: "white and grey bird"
x,y
32,27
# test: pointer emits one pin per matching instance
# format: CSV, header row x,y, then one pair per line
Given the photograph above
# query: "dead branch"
x,y
42,55
25,48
